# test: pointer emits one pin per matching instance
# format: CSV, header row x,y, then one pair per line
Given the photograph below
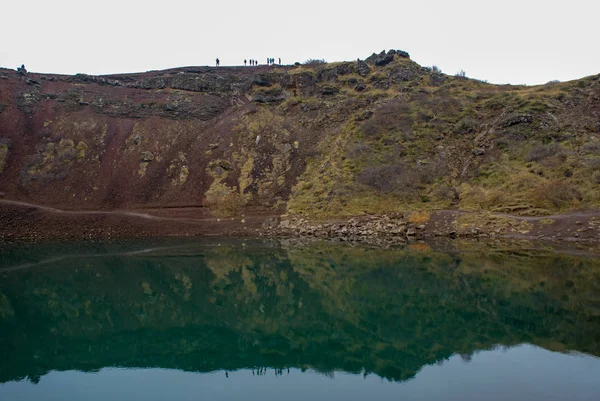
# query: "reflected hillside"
x,y
203,306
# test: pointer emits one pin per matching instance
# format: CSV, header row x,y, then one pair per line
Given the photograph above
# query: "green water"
x,y
255,320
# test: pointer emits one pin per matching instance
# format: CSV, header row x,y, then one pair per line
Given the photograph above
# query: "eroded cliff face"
x,y
348,138
179,137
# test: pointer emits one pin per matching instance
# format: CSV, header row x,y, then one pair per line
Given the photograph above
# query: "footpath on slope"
x,y
32,222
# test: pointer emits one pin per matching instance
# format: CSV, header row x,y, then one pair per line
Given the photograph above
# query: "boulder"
x,y
305,82
360,86
362,68
436,79
517,119
380,82
327,75
261,80
270,223
329,90
147,156
399,53
380,59
402,73
269,95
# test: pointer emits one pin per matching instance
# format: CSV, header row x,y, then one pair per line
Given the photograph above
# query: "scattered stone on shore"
x,y
391,228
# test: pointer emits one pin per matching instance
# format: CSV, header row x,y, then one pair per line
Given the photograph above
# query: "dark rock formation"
x,y
402,73
269,95
399,53
380,59
329,90
362,68
306,83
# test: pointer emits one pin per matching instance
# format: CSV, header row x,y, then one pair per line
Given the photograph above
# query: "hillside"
x,y
325,141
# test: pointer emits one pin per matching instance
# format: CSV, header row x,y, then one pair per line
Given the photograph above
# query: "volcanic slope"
x,y
376,136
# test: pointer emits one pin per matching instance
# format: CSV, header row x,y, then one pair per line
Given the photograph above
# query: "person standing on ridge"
x,y
21,71
244,62
279,60
218,62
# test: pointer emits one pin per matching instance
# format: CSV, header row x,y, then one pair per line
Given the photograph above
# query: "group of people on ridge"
x,y
252,62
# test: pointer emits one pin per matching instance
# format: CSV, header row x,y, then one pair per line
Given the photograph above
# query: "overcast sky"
x,y
509,41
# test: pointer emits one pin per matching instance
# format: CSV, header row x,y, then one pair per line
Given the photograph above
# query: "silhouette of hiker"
x,y
21,71
244,62
279,60
218,62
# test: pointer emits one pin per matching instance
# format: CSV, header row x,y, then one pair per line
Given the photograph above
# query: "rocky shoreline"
x,y
387,228
28,222
400,228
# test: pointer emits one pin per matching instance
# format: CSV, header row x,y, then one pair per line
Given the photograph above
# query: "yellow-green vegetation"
x,y
54,158
81,148
222,199
414,139
419,217
142,169
178,169
263,159
470,222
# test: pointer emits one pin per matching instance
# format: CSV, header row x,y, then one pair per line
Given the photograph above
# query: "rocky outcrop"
x,y
362,68
380,59
387,228
269,95
403,73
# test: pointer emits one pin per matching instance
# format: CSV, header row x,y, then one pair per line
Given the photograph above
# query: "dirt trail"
x,y
34,222
46,222
105,212
579,214
569,215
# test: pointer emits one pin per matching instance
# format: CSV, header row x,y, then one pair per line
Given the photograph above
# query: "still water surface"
x,y
268,320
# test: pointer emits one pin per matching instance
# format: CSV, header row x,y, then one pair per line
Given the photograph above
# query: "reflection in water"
x,y
204,307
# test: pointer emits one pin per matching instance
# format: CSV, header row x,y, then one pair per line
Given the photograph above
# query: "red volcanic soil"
x,y
184,117
150,143
22,221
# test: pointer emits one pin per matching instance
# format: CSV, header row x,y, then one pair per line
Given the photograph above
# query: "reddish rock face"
x,y
120,141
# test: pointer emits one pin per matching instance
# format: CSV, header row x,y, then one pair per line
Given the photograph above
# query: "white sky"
x,y
509,41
